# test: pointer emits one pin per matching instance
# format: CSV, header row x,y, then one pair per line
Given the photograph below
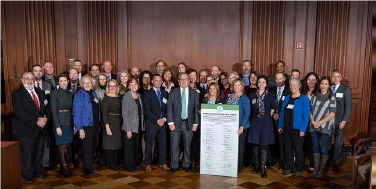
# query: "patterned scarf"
x,y
260,104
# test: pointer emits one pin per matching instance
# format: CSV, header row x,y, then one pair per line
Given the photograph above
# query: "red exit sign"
x,y
299,45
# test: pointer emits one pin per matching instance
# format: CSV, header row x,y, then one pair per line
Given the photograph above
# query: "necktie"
x,y
35,100
160,102
183,106
38,86
109,77
279,94
334,90
74,88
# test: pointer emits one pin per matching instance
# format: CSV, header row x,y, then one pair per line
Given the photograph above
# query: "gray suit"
x,y
61,101
343,109
130,113
174,108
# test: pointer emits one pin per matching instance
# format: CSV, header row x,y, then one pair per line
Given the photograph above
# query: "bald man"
x,y
135,72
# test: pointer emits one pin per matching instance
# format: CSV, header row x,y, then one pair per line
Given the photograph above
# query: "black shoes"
x,y
297,174
281,168
288,172
256,170
172,170
28,181
186,169
41,176
335,168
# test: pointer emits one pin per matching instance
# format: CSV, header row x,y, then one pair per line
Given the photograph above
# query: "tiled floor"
x,y
106,178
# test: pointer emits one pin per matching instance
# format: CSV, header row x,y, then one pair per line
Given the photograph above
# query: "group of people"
x,y
134,118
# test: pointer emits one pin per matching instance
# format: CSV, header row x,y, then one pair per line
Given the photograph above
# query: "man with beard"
x,y
46,88
279,68
160,65
28,125
48,76
135,72
247,67
280,91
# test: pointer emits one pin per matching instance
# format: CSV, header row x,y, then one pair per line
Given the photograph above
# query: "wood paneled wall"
x,y
335,35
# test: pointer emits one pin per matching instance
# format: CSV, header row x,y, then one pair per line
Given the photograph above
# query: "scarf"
x,y
102,86
260,104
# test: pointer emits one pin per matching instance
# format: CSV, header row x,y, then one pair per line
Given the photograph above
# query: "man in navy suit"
x,y
107,70
28,125
155,103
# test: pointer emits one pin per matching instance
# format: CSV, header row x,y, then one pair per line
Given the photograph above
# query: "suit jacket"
x,y
61,101
343,100
286,91
152,110
69,87
26,113
131,116
174,108
202,90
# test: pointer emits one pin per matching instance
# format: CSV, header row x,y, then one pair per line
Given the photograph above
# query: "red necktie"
x,y
35,100
38,86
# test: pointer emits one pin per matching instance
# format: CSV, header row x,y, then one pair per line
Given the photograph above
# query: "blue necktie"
x,y
334,90
160,102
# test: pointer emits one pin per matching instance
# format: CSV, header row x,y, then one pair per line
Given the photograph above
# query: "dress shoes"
x,y
172,170
148,169
281,167
164,167
186,169
297,174
41,176
335,168
288,172
132,170
28,181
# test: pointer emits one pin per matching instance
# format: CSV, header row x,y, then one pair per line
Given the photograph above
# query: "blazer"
x,y
69,87
174,108
152,110
301,112
130,113
286,91
244,111
26,113
343,100
61,101
82,110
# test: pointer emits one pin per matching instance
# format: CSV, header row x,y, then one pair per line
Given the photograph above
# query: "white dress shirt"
x,y
40,84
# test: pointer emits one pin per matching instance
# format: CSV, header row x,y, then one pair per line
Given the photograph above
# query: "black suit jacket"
x,y
152,110
26,113
69,87
286,91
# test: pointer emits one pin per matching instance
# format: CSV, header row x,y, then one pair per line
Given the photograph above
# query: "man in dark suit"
x,y
48,70
155,103
280,91
279,68
78,65
46,88
182,118
343,109
247,68
73,84
107,70
28,125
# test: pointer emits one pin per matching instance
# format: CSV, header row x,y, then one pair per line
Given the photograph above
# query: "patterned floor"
x,y
106,178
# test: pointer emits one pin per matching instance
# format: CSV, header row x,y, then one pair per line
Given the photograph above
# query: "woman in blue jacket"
x,y
238,98
86,118
293,119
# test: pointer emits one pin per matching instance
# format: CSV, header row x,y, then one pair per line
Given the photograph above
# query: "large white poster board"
x,y
219,139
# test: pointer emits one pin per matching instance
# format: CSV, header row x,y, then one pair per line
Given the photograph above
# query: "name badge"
x,y
45,102
57,86
290,106
283,98
198,91
254,101
339,95
164,100
47,92
95,100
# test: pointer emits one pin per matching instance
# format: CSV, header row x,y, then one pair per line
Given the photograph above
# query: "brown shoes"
x,y
148,169
164,167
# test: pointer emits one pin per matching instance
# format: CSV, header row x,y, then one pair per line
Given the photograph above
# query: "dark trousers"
x,y
32,150
153,132
111,156
241,149
293,142
338,145
131,150
101,155
175,140
196,144
88,146
280,144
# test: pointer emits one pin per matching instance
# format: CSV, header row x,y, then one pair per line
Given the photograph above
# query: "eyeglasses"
x,y
28,79
184,79
112,86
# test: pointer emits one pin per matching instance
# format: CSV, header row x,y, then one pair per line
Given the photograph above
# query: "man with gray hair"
x,y
343,109
28,125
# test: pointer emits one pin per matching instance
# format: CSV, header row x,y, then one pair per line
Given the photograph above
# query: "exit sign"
x,y
299,45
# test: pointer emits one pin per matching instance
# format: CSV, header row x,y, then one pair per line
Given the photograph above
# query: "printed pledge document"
x,y
219,139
